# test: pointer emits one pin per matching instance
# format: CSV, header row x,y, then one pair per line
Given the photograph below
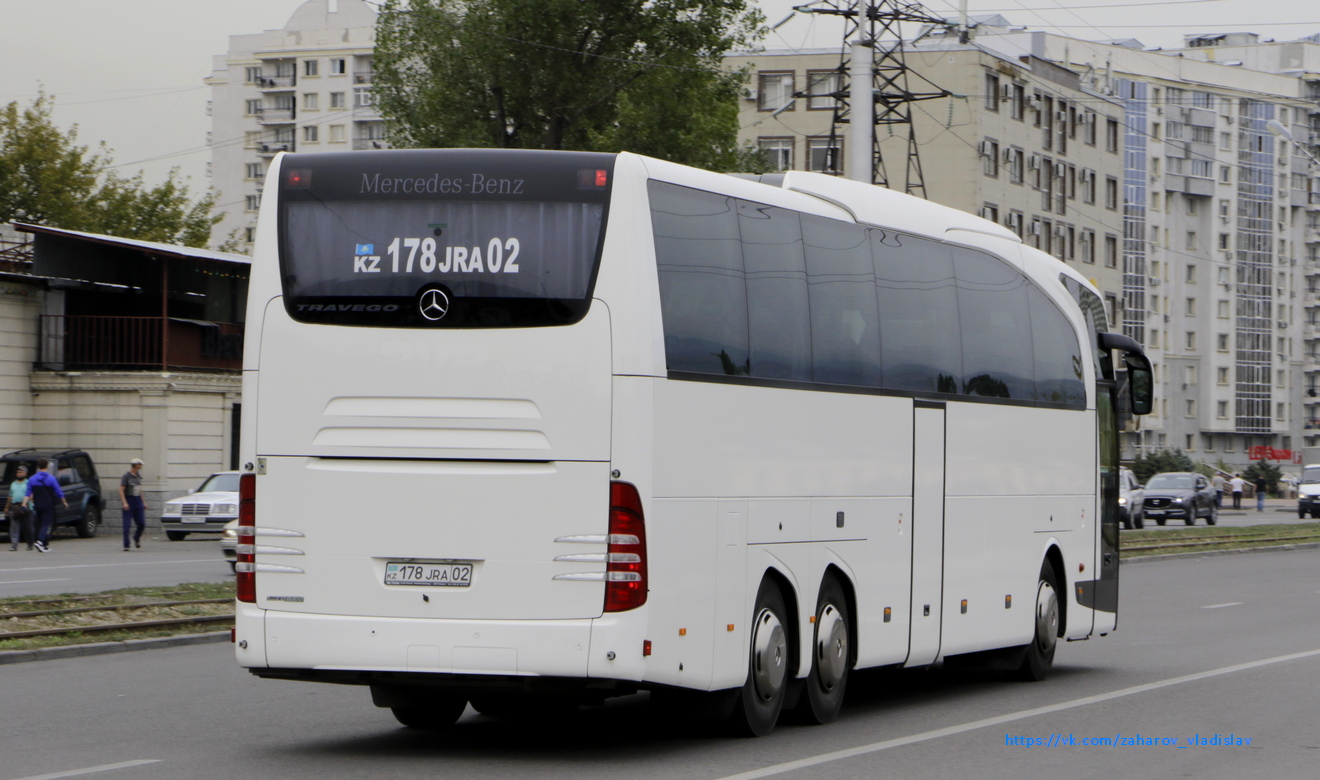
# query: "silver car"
x,y
204,510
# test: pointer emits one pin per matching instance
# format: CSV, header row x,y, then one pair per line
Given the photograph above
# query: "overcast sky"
x,y
130,72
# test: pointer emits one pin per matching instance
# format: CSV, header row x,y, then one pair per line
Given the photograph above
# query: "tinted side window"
x,y
1059,377
996,328
703,296
84,468
845,323
780,337
64,471
919,342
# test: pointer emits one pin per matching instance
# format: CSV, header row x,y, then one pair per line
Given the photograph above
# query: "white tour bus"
x,y
530,427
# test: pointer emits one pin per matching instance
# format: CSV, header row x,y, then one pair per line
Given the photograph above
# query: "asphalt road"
x,y
1214,646
76,565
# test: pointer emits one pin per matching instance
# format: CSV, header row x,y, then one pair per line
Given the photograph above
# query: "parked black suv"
x,y
78,480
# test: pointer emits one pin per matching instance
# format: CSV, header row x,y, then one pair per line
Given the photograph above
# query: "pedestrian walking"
x,y
134,505
1238,484
1262,487
1219,484
43,488
20,517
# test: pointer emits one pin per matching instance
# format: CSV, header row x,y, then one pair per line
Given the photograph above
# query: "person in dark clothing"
x,y
130,498
42,491
1262,487
20,517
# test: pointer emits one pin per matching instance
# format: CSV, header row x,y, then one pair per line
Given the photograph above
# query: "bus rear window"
x,y
442,238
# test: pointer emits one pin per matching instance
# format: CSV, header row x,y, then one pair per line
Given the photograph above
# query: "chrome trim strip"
x,y
582,558
584,539
275,568
582,577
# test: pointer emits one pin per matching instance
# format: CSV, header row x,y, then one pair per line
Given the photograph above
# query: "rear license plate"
x,y
452,574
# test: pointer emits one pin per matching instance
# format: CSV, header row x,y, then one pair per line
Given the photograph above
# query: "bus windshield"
x,y
507,239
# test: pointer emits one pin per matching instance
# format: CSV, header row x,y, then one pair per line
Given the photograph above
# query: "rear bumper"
x,y
274,643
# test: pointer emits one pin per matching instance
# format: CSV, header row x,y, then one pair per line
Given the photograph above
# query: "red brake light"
x,y
625,568
602,178
245,565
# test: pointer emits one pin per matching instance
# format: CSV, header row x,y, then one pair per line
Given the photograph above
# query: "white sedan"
x,y
204,510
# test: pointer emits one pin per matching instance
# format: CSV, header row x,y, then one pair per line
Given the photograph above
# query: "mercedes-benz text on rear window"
x,y
442,238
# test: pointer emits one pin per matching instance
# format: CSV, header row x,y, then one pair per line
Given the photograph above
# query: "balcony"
x,y
270,150
362,76
87,343
276,83
369,143
276,116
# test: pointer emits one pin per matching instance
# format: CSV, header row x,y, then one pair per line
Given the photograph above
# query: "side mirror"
x,y
1141,378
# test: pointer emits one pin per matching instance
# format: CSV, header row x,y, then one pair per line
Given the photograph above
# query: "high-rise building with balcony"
x,y
306,87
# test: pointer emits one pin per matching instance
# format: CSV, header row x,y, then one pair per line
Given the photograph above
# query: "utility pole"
x,y
874,91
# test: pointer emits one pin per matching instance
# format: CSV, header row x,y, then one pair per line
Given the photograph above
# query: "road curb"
x,y
1208,553
105,648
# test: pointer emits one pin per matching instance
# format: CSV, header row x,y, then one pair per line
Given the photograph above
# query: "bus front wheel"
x,y
762,696
1039,655
830,655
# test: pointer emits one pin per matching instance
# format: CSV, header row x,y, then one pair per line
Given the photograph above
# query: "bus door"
x,y
928,445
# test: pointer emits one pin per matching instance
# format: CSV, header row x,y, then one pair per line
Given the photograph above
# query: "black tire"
x,y
761,698
1191,519
1213,517
831,655
175,536
1301,514
1160,520
1139,521
441,713
1127,522
1039,656
88,524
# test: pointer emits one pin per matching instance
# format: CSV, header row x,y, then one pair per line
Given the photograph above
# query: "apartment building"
x,y
306,87
1156,173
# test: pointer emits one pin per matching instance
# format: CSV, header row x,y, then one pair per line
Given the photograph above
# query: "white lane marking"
x,y
1220,606
875,747
92,769
24,582
109,565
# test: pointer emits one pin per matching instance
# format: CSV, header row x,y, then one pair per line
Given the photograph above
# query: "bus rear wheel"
x,y
438,713
831,653
1039,656
762,696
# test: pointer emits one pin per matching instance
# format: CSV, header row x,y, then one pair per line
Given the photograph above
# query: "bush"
x,y
1161,461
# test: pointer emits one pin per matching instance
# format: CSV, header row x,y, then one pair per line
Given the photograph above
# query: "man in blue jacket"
x,y
43,489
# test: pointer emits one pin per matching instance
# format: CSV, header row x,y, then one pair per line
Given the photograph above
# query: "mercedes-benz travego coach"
x,y
535,427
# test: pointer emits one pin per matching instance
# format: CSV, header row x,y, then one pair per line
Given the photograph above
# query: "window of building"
x,y
1201,169
1016,165
1088,245
252,139
1225,174
253,170
992,92
1190,307
1203,100
1191,273
1189,340
252,74
1189,374
1190,241
252,107
310,67
311,133
1221,411
1191,438
1203,135
822,86
1225,142
1111,135
338,66
990,211
1111,193
1221,375
1221,342
1155,201
249,234
1191,205
1111,251
336,133
778,153
311,101
337,100
1208,442
1224,241
990,158
363,97
1221,310
252,202
774,91
823,158
1019,102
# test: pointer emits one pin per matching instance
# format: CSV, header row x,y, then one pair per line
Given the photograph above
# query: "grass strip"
x,y
1167,540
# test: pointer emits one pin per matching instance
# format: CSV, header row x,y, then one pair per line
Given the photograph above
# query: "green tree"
x,y
46,178
594,75
1263,468
1161,461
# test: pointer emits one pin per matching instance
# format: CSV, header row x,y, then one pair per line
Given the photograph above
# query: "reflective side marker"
x,y
811,619
964,606
682,632
730,627
646,647
1008,602
889,613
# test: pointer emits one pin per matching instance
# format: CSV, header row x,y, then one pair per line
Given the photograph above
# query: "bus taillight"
x,y
625,568
245,566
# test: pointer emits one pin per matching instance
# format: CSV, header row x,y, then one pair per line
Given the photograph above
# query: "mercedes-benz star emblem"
x,y
434,304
